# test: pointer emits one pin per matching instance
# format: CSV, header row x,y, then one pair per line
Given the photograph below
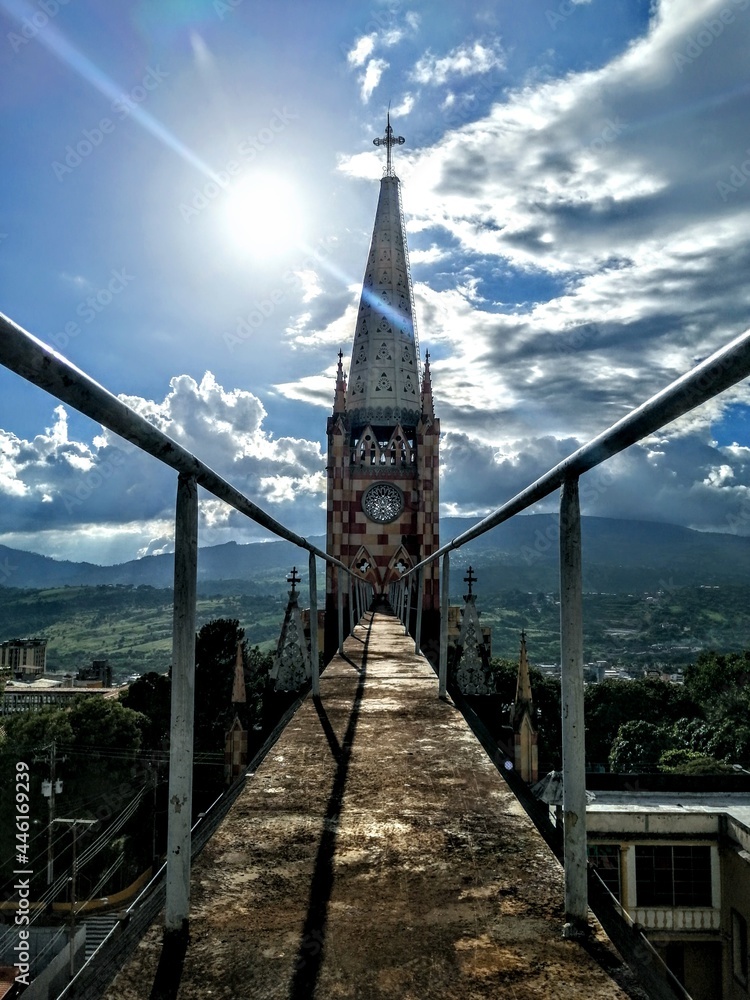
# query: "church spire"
x,y
384,371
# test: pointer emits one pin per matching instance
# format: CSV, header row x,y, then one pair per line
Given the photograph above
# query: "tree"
x,y
215,657
102,724
29,730
680,761
610,704
637,748
150,695
717,675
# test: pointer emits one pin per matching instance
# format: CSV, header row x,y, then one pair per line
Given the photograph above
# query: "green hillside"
x,y
129,626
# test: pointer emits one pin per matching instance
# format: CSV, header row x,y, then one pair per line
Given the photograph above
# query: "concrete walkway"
x,y
376,853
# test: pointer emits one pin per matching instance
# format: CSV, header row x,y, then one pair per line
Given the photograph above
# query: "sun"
x,y
264,215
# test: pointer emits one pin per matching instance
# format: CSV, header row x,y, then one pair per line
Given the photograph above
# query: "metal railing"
x,y
723,369
35,361
32,359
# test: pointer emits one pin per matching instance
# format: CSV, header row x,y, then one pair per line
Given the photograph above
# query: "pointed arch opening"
x,y
400,562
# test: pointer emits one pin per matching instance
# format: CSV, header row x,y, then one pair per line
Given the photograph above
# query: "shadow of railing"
x,y
313,938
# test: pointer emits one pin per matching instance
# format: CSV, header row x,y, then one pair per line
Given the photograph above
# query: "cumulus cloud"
x,y
371,77
72,493
389,28
469,59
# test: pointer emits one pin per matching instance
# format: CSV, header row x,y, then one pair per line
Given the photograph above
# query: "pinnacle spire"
x,y
428,405
523,684
339,400
239,695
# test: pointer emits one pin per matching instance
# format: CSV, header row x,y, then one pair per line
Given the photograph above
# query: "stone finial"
x,y
525,736
428,404
523,683
339,399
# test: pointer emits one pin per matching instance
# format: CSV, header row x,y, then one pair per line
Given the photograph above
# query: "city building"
x,y
23,657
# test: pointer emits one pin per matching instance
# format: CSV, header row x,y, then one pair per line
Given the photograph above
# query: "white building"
x,y
680,866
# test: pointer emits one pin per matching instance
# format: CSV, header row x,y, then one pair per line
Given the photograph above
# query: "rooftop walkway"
x,y
376,853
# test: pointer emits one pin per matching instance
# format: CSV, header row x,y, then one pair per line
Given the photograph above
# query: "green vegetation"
x,y
129,626
98,761
132,626
702,728
632,630
110,754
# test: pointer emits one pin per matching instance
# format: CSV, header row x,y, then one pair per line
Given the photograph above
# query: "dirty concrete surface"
x,y
376,854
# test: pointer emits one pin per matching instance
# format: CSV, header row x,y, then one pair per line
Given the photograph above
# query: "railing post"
x,y
350,584
418,629
314,664
444,590
574,755
340,590
407,611
182,708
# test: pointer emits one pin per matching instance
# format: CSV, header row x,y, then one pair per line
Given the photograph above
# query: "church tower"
x,y
383,437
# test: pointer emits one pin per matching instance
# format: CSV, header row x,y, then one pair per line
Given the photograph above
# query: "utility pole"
x,y
74,823
49,790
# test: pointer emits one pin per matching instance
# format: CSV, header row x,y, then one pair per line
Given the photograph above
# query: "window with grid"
x,y
606,860
739,947
674,875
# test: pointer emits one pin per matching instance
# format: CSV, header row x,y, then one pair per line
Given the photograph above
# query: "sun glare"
x,y
264,215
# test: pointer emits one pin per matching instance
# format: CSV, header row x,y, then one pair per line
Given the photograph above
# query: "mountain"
x,y
618,556
231,561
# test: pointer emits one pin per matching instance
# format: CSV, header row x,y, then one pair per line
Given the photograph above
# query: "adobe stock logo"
x,y
31,26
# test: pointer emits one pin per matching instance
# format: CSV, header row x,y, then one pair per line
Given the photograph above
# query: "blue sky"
x,y
188,193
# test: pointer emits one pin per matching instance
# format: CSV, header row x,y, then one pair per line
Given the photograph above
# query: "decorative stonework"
x,y
383,502
472,659
291,664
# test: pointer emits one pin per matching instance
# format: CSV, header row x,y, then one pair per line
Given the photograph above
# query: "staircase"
x,y
97,928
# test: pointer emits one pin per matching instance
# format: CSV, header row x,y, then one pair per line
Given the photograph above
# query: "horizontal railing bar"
x,y
37,362
727,366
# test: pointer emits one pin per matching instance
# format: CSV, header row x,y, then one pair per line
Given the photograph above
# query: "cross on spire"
x,y
293,578
471,579
389,140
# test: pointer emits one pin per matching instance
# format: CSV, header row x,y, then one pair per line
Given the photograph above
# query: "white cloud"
x,y
108,496
405,107
371,78
361,50
469,59
600,194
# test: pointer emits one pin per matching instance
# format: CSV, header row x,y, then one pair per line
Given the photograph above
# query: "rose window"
x,y
383,502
